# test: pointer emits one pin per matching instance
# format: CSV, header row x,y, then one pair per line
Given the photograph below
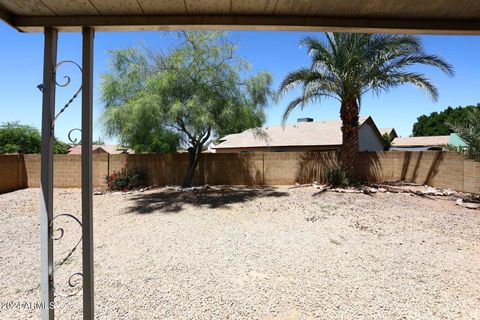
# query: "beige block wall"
x,y
439,169
236,169
12,173
471,176
66,170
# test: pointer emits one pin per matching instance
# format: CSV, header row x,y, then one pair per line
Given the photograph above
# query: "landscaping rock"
x,y
471,205
468,205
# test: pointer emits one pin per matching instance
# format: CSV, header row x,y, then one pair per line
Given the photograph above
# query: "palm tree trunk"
x,y
349,151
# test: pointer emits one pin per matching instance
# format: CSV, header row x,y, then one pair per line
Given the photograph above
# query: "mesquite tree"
x,y
198,89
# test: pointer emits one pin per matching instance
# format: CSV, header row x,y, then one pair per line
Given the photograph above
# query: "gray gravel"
x,y
254,254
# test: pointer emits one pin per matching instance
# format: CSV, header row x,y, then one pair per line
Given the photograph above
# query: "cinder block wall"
x,y
66,170
439,169
12,173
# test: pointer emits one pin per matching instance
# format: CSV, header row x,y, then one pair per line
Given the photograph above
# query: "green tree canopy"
x,y
436,123
18,138
347,65
468,129
387,141
195,91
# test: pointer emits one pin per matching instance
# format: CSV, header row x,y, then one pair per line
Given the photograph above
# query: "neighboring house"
x,y
426,143
305,135
391,132
102,148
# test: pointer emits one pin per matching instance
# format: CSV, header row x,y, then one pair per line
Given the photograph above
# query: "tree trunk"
x,y
349,151
194,154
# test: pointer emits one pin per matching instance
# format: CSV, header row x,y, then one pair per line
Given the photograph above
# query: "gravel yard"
x,y
273,253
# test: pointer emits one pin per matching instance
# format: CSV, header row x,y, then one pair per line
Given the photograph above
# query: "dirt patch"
x,y
269,253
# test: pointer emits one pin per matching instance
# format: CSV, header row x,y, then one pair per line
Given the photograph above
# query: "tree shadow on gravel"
x,y
173,201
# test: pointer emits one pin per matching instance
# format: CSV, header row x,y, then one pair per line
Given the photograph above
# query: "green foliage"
x,y
125,179
60,147
436,123
469,131
191,89
347,65
18,138
99,141
137,126
387,141
337,178
190,93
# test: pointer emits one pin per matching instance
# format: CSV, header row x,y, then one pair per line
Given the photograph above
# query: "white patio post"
x,y
46,174
87,190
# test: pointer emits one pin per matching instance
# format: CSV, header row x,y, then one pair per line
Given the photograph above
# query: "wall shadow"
x,y
405,165
232,168
213,169
313,166
369,166
22,172
434,167
414,172
171,201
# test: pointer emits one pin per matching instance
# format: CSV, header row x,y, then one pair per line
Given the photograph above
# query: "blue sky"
x,y
21,60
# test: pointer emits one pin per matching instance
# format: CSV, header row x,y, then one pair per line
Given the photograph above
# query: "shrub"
x,y
125,179
19,138
337,178
387,141
469,132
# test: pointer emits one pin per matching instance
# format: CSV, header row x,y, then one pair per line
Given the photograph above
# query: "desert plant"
x,y
125,179
337,178
347,65
192,92
387,141
469,132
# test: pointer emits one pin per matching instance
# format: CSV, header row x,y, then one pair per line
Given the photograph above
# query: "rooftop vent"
x,y
305,120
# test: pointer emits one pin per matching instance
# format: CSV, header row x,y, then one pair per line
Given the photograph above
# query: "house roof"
x,y
108,148
390,131
432,16
316,133
421,141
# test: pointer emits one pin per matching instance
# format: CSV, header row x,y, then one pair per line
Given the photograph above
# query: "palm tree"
x,y
346,66
469,132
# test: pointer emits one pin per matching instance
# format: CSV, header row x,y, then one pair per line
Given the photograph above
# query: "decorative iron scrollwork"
x,y
56,235
75,281
65,84
74,141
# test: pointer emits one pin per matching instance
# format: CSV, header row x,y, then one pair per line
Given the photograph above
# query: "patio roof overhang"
x,y
88,16
393,16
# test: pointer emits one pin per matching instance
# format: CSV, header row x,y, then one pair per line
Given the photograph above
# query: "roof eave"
x,y
254,22
281,146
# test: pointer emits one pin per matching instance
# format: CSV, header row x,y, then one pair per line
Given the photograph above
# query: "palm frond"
x,y
417,79
432,60
469,132
346,65
290,107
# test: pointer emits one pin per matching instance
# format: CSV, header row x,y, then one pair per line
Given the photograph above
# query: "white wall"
x,y
368,140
